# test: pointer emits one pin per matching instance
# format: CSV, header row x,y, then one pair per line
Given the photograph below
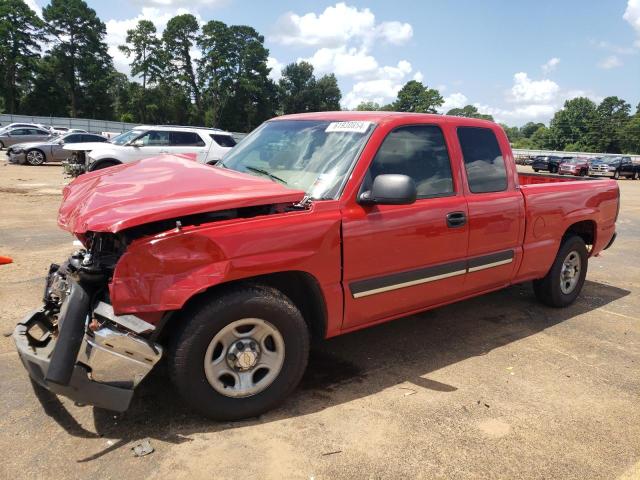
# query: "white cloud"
x,y
382,87
550,65
336,26
343,61
612,61
379,91
455,100
117,32
525,90
173,4
276,68
632,15
396,33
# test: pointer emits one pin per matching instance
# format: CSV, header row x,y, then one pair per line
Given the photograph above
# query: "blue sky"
x,y
518,60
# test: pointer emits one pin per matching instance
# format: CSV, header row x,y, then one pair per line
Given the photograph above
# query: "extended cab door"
x,y
402,258
496,208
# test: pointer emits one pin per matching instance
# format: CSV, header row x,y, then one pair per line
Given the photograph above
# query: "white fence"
x,y
90,125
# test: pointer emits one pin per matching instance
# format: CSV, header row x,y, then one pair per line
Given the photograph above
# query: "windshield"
x,y
311,155
125,137
572,160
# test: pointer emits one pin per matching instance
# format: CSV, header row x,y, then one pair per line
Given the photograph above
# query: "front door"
x,y
402,258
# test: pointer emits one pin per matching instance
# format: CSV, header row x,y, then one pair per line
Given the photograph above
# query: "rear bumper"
x,y
109,365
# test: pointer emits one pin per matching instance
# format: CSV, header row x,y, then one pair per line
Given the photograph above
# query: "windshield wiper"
x,y
264,172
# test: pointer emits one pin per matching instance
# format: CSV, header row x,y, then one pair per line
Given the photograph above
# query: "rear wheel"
x,y
35,157
583,173
562,285
616,175
239,354
635,176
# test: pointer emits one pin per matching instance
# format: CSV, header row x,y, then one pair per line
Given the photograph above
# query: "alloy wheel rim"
x,y
570,272
35,158
244,358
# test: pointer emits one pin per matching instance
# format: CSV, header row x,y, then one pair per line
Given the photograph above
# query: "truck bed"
x,y
553,203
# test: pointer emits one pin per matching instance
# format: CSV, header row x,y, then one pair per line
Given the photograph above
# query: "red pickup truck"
x,y
315,225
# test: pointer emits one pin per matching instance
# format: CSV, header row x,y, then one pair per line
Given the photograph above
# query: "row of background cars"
x,y
605,166
81,151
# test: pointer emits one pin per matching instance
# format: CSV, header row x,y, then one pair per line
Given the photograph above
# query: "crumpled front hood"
x,y
161,188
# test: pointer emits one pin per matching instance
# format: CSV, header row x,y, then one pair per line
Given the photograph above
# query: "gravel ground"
x,y
494,387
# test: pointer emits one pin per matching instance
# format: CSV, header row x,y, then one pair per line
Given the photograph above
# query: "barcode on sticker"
x,y
354,127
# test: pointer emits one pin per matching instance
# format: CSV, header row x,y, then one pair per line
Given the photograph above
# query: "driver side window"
x,y
420,152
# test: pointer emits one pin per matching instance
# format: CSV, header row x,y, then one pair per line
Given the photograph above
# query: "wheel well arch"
x,y
98,164
585,229
302,288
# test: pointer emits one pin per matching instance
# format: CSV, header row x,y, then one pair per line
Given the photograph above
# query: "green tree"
x,y
611,117
630,135
573,124
81,55
144,45
415,97
541,138
21,34
49,94
328,93
368,106
530,128
297,88
233,72
513,133
469,111
179,37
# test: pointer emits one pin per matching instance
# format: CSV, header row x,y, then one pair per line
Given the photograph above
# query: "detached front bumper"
x,y
16,157
103,371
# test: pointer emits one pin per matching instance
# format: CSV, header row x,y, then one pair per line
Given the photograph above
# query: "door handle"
x,y
456,219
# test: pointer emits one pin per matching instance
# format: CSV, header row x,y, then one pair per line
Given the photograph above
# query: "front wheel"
x,y
564,281
616,175
35,157
240,353
535,170
635,176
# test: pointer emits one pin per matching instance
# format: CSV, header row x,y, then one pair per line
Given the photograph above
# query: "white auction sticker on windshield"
x,y
353,127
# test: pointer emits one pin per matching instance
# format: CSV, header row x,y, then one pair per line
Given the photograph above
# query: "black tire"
x,y
616,175
535,170
548,290
1,145
635,176
202,321
103,164
583,173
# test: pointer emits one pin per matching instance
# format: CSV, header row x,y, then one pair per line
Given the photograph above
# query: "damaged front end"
x,y
75,345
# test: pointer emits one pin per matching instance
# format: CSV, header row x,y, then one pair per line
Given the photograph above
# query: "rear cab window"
x,y
223,140
483,160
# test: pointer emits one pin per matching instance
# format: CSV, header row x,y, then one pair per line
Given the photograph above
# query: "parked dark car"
x,y
614,167
574,166
550,163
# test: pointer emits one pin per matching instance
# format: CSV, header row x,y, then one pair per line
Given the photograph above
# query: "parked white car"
x,y
208,144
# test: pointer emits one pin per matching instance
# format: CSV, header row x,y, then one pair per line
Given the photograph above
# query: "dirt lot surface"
x,y
495,387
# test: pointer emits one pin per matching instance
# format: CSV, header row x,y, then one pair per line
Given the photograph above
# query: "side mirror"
x,y
390,189
137,143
